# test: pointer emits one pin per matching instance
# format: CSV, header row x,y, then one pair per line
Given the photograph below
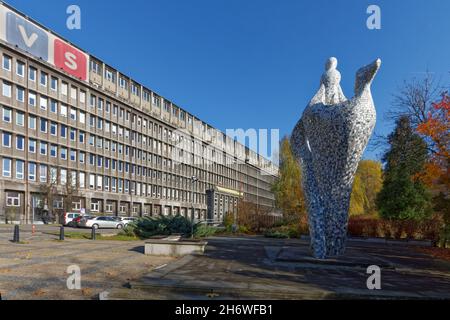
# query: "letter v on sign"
x,y
29,41
26,36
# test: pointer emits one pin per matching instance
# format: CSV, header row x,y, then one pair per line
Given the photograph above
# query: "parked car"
x,y
69,216
76,221
101,222
127,220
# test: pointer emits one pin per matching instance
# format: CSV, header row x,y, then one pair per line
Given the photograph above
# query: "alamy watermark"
x,y
74,280
207,149
374,280
373,22
73,21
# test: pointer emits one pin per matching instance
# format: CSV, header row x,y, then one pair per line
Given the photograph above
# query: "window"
x,y
6,139
76,205
63,176
95,67
54,83
32,146
7,114
20,69
6,89
64,153
81,137
20,167
13,199
73,93
53,175
82,97
123,83
32,99
135,89
53,128
64,111
32,122
81,179
82,117
95,206
92,181
44,78
64,87
91,140
73,134
53,106
7,62
58,203
7,167
63,131
146,96
32,171
99,182
20,142
73,114
82,157
20,94
43,173
43,103
43,125
109,75
93,100
53,151
32,74
20,118
43,148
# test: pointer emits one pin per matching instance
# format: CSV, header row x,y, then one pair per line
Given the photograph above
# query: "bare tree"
x,y
70,192
414,99
48,190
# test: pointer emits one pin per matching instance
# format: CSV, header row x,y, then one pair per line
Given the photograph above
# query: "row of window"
x,y
45,174
109,75
100,123
53,82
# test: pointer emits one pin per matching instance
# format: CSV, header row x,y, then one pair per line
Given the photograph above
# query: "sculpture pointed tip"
x,y
378,62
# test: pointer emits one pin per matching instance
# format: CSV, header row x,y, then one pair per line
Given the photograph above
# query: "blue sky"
x,y
259,60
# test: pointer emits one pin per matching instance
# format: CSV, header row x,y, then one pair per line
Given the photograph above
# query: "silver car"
x,y
102,223
127,220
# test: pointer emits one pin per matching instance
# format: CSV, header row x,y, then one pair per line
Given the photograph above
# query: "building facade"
x,y
75,128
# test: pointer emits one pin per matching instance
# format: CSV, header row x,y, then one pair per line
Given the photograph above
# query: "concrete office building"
x,y
67,117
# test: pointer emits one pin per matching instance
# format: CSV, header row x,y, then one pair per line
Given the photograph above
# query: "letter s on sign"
x,y
70,59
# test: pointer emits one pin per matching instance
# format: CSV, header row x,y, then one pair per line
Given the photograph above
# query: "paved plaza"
x,y
231,268
260,268
38,268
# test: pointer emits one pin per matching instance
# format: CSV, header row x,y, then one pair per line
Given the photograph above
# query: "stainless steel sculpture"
x,y
330,139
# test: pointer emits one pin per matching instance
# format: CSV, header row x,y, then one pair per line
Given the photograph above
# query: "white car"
x,y
69,217
127,220
102,222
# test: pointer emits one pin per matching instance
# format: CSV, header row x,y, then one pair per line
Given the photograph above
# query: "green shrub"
x,y
159,226
202,231
284,231
273,233
228,222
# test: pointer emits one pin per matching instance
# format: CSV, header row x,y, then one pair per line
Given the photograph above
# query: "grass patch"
x,y
87,236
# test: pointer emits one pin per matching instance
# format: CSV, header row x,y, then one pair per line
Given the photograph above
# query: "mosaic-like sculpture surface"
x,y
330,139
